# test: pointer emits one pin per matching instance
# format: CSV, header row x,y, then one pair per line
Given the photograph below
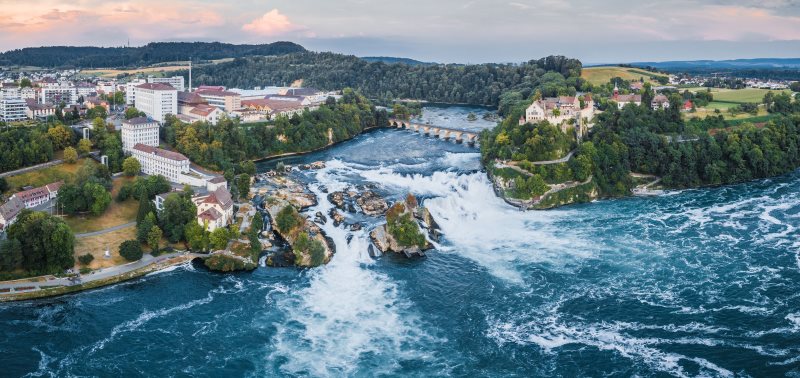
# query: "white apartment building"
x,y
175,81
140,130
55,95
155,161
13,109
130,91
156,100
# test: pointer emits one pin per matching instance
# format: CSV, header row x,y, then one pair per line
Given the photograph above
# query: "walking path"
x,y
513,164
44,282
105,231
31,168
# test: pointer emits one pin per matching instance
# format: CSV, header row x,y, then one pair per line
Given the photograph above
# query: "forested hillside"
x,y
152,53
481,84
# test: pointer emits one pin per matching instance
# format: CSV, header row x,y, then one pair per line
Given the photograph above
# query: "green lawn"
x,y
44,176
737,96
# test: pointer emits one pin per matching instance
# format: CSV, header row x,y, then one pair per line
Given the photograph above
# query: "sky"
x,y
462,31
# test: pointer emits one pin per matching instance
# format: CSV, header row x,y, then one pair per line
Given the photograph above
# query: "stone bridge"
x,y
446,133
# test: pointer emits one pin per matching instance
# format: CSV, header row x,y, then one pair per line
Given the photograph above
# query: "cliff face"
x,y
403,231
305,237
562,194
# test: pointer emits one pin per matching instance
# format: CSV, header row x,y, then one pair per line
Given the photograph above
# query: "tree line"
x,y
478,84
152,53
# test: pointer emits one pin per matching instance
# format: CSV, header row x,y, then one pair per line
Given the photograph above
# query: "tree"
x,y
196,236
154,238
70,155
97,112
131,250
84,146
48,242
178,211
86,259
61,136
25,83
131,166
144,227
145,205
10,255
3,185
288,219
243,184
219,238
97,197
132,112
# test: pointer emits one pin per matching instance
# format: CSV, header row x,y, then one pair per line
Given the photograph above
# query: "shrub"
x,y
86,259
288,219
131,250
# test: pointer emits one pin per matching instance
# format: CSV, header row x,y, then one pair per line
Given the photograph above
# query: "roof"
x,y
211,214
660,98
222,197
171,155
302,91
30,194
628,98
203,110
274,105
54,187
33,105
10,209
215,92
285,98
157,86
138,121
217,180
211,87
190,98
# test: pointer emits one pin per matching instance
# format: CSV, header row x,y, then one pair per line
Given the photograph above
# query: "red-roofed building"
x,y
215,209
156,161
688,105
37,196
156,100
9,212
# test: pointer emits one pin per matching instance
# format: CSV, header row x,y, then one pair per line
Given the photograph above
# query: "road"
x,y
564,159
105,231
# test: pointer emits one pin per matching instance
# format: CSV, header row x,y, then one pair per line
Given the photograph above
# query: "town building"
x,y
625,99
225,100
13,109
85,89
139,130
156,100
156,161
660,102
37,196
36,110
58,94
564,111
9,212
130,90
202,112
174,81
214,209
93,101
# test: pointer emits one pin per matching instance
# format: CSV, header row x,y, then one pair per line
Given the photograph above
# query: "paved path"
x,y
512,165
107,230
99,274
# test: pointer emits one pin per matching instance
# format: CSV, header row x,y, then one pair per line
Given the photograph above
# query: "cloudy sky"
x,y
466,31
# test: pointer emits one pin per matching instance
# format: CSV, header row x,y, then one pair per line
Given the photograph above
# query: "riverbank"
x,y
40,287
323,148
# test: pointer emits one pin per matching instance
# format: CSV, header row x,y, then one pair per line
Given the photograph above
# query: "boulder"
x,y
337,217
355,227
319,218
337,199
372,204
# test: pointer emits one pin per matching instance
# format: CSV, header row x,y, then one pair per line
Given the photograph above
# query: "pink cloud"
x,y
271,24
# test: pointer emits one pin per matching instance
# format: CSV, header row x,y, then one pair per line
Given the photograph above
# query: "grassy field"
x,y
96,245
602,75
118,213
737,96
110,73
44,176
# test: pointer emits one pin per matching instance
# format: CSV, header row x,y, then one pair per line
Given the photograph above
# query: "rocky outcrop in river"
x,y
401,233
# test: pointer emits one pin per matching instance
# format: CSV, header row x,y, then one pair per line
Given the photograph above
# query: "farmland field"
x,y
737,96
602,75
148,70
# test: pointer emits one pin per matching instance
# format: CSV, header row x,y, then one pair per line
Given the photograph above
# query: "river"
x,y
697,282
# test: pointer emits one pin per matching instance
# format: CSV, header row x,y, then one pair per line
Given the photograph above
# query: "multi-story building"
x,y
36,110
130,91
202,112
156,100
13,109
85,89
660,102
625,99
560,110
9,212
140,130
175,81
27,93
155,161
58,94
214,209
225,100
37,196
